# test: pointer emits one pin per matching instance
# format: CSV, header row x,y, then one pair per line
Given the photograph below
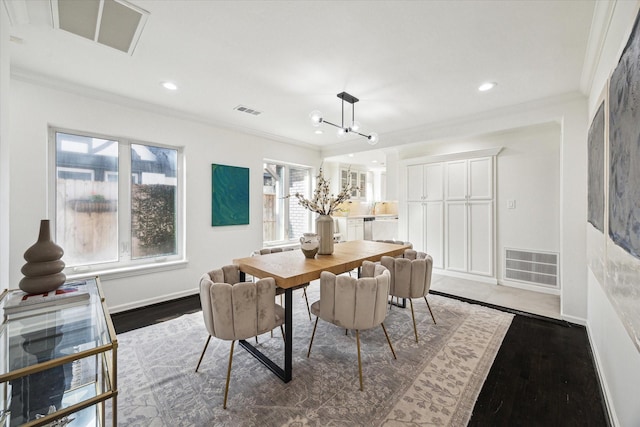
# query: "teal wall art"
x,y
229,195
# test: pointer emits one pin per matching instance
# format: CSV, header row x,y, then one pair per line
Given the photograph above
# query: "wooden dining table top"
x,y
292,268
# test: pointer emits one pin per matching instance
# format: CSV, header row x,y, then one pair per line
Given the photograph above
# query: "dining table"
x,y
292,270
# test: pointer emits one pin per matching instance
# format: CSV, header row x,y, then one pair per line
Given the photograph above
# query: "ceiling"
x,y
411,63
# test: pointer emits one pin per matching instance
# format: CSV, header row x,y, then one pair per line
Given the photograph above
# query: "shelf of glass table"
x,y
60,361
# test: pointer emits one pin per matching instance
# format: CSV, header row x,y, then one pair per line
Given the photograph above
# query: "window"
x,y
283,219
104,222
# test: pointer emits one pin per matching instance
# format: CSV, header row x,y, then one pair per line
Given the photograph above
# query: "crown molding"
x,y
600,24
105,96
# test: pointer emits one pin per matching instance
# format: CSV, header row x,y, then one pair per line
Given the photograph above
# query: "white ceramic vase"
x,y
309,243
324,228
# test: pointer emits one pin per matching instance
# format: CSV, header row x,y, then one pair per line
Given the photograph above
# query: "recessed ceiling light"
x,y
318,132
351,155
169,85
487,86
374,161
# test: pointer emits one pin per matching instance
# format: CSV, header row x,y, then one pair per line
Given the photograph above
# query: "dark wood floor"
x,y
543,374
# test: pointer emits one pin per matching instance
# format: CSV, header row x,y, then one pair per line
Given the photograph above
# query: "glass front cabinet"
x,y
59,362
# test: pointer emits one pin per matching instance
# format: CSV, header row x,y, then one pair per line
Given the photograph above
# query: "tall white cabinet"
x,y
450,213
469,216
425,209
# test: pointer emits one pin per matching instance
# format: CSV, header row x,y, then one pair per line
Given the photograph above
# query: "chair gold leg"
x,y
282,331
359,361
312,335
202,355
430,312
226,387
304,292
388,340
413,316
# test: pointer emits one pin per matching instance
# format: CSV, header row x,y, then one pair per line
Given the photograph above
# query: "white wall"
x,y
570,111
35,107
618,359
4,149
527,171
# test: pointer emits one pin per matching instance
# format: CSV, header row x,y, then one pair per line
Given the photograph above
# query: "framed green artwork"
x,y
229,195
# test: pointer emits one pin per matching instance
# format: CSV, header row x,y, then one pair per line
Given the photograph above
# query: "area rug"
x,y
433,382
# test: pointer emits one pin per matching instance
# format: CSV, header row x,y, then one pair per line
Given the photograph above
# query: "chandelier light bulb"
x,y
355,126
373,138
316,117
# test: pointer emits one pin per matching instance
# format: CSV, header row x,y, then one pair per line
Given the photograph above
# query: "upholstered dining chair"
x,y
397,242
410,278
235,310
354,304
280,291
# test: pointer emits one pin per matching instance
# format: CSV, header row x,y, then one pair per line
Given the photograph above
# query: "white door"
x,y
435,232
456,241
433,182
481,237
456,180
480,179
415,183
415,225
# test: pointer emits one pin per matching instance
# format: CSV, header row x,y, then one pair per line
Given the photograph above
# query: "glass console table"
x,y
58,366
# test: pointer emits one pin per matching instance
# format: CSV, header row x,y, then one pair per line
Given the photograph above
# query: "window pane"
x,y
154,186
273,203
298,216
86,199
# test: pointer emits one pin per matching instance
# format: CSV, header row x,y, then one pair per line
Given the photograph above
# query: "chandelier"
x,y
352,127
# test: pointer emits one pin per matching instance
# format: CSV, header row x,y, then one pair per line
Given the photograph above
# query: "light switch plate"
x,y
511,204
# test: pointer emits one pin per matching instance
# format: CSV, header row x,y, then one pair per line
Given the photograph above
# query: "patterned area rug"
x,y
434,382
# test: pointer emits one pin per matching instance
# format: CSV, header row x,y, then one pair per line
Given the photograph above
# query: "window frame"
x,y
125,265
288,200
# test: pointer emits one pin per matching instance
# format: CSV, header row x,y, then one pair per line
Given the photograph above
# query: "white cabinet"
x,y
358,179
470,179
424,182
351,228
426,231
425,210
450,213
469,211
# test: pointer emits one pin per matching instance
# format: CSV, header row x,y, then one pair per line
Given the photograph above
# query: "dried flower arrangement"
x,y
323,202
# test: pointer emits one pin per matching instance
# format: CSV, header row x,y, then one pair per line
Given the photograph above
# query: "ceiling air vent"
x,y
248,110
114,23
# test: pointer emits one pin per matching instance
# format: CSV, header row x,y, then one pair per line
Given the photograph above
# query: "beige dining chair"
x,y
354,304
410,278
235,310
280,291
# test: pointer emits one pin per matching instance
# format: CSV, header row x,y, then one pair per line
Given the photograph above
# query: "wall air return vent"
x,y
538,268
247,110
114,23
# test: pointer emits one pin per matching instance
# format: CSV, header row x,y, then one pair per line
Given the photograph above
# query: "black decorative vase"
x,y
43,270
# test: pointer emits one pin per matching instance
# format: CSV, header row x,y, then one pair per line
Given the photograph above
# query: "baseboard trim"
x,y
527,287
605,393
572,319
151,301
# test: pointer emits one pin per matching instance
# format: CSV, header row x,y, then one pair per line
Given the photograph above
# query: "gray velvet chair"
x,y
410,278
235,310
354,303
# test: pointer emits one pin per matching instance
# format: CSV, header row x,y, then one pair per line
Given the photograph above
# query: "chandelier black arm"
x,y
329,123
362,134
